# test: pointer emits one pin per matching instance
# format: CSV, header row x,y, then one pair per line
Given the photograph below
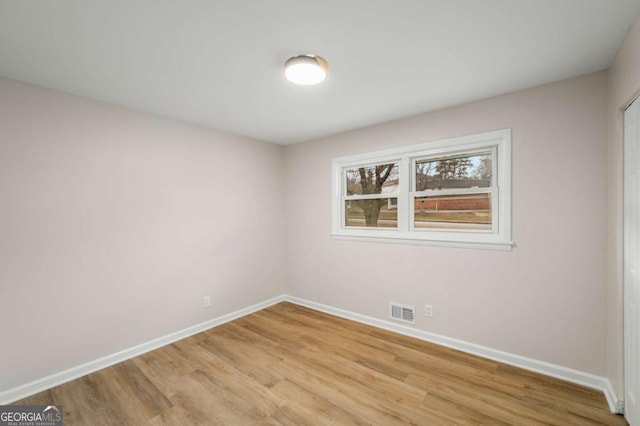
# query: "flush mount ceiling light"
x,y
305,69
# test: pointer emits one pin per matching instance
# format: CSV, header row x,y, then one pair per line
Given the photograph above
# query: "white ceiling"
x,y
219,63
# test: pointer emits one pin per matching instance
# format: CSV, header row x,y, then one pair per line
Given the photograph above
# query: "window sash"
x,y
345,168
399,194
493,150
456,191
494,211
381,228
370,196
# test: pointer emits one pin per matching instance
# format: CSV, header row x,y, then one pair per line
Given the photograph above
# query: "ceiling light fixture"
x,y
305,69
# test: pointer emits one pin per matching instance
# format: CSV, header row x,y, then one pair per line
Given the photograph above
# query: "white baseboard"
x,y
570,375
615,405
564,373
31,388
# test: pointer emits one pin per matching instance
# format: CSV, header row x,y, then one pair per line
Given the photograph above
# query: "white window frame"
x,y
499,237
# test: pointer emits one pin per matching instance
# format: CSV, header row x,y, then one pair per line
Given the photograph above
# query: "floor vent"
x,y
403,313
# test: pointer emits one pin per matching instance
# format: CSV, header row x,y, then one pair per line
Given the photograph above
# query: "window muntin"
x,y
454,192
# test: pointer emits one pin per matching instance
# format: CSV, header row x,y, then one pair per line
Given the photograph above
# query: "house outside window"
x,y
453,192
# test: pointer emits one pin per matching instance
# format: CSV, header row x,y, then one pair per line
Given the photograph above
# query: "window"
x,y
452,192
371,196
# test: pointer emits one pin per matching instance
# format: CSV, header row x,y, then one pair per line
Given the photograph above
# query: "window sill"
x,y
470,244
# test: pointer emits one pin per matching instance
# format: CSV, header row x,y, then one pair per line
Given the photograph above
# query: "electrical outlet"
x,y
428,311
206,303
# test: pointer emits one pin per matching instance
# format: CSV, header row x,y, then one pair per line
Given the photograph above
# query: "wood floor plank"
x,y
136,384
344,393
289,365
314,405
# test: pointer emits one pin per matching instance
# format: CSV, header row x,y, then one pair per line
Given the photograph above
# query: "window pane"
x,y
468,211
378,179
378,213
462,171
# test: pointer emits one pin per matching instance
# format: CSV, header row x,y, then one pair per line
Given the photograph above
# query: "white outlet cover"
x,y
428,311
206,302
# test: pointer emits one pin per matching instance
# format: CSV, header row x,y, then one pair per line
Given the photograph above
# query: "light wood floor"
x,y
294,366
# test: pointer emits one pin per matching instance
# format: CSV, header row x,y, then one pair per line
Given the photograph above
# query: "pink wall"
x,y
545,298
115,224
623,85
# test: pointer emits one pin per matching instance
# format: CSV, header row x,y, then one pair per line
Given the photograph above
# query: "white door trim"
x,y
632,263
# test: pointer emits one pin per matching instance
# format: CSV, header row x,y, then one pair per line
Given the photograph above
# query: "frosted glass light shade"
x,y
305,69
